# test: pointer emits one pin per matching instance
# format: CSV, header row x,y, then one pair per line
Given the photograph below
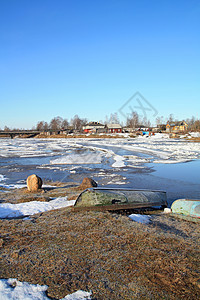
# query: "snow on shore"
x,y
8,210
144,219
12,289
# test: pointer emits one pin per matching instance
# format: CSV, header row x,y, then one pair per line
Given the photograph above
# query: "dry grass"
x,y
107,253
194,139
58,189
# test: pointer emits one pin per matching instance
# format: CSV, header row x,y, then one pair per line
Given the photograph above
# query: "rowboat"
x,y
119,198
187,207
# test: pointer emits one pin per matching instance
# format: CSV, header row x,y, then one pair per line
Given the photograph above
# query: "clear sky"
x,y
86,57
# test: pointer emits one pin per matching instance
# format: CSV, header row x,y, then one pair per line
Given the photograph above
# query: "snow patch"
x,y
144,219
195,134
12,289
8,210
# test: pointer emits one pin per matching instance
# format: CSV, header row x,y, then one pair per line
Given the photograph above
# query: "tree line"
x,y
133,121
58,123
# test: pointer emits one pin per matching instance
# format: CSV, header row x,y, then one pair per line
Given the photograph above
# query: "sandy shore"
x,y
106,253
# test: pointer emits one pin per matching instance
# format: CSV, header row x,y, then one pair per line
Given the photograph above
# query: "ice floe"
x,y
85,158
2,177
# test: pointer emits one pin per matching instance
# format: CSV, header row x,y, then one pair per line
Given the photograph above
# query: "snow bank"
x,y
144,219
8,210
12,289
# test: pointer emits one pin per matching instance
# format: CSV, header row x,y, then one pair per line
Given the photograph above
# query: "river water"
x,y
147,163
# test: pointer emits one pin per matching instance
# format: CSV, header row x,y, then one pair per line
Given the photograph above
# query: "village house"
x,y
159,128
176,126
114,128
94,127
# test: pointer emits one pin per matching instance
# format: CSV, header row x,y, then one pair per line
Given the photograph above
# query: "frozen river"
x,y
155,162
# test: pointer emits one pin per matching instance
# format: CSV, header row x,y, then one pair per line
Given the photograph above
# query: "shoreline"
x,y
102,252
97,136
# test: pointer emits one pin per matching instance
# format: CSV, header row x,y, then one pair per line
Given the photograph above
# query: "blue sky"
x,y
67,57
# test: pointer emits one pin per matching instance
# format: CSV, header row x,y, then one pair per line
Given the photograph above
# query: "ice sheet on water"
x,y
170,161
12,186
9,186
85,158
8,210
119,161
12,289
160,146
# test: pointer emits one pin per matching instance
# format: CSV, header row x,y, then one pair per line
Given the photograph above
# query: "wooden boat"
x,y
186,207
119,198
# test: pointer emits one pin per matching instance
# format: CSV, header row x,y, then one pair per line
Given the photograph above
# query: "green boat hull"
x,y
187,207
115,199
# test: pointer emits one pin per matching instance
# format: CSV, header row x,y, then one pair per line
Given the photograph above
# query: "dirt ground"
x,y
102,252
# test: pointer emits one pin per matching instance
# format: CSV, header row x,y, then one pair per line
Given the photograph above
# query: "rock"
x,y
87,183
34,183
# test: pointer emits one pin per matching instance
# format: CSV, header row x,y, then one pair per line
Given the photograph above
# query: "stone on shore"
x,y
34,183
87,183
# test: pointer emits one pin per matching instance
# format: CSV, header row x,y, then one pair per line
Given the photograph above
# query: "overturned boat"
x,y
119,198
186,207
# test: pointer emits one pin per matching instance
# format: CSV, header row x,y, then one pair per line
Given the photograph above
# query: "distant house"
x,y
114,128
94,127
176,126
159,128
135,129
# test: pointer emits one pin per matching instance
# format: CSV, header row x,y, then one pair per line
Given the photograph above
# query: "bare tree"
x,y
133,120
40,126
56,123
195,126
46,126
191,122
146,122
106,120
114,118
6,128
171,118
65,124
78,123
159,120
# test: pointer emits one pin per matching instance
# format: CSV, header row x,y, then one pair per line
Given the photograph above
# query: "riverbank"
x,y
85,136
105,253
186,137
